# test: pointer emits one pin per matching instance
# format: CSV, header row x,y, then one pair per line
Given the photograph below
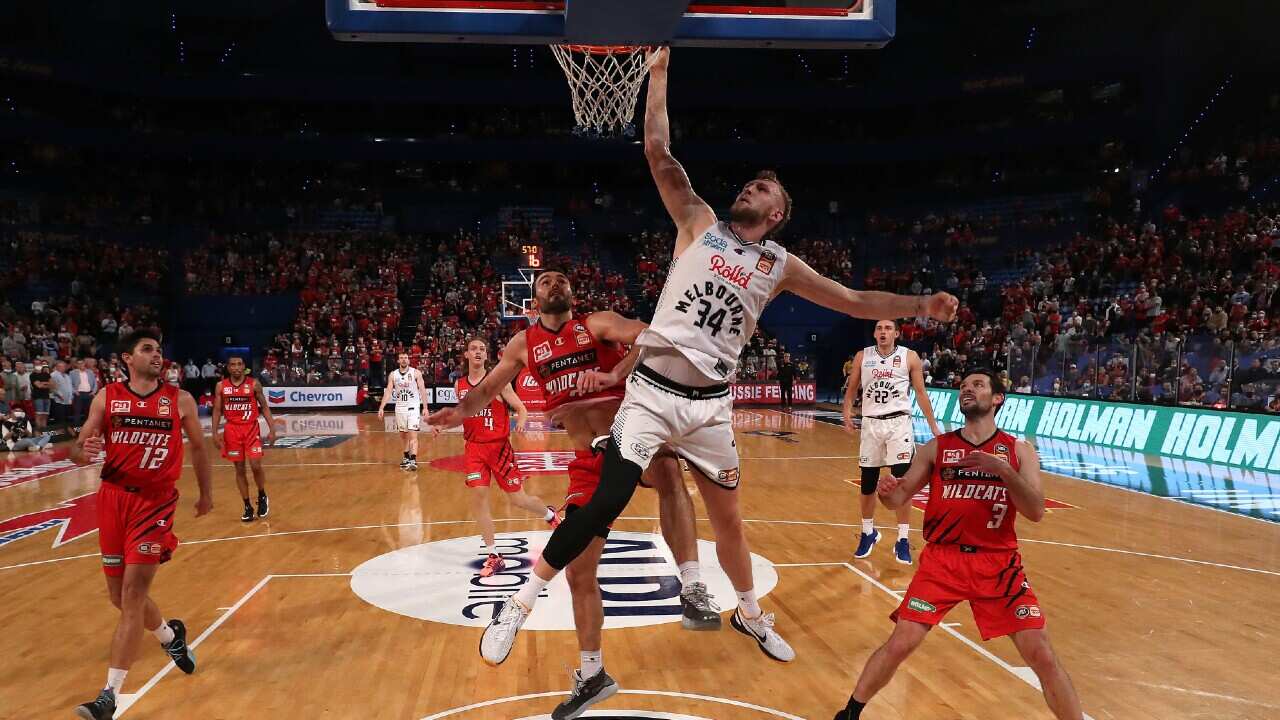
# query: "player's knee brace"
x,y
870,479
618,480
900,470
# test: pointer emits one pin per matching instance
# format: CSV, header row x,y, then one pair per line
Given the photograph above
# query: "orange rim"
x,y
605,49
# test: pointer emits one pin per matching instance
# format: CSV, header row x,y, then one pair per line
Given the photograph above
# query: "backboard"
x,y
831,24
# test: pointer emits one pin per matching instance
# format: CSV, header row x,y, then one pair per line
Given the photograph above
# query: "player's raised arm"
x,y
611,326
689,212
86,447
851,391
802,280
894,492
513,360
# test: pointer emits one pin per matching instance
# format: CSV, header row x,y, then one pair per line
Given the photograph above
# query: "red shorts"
x,y
135,528
486,461
241,442
584,478
992,581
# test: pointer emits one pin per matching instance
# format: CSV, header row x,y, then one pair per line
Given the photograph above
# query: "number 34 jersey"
x,y
715,292
143,437
970,507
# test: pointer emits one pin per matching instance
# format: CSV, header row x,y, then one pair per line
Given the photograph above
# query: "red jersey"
x,y
970,507
239,402
556,359
488,425
143,437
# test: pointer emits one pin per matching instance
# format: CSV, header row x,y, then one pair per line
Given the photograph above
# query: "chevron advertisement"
x,y
311,397
1227,438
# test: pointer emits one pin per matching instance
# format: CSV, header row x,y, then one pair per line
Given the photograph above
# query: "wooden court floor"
x,y
1159,609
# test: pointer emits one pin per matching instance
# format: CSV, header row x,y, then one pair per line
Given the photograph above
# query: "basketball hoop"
x,y
604,81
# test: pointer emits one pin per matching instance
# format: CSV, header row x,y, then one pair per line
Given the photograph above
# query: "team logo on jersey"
x,y
735,274
897,361
275,397
728,478
952,456
164,410
121,406
583,339
226,390
640,584
1025,611
541,351
766,261
1002,448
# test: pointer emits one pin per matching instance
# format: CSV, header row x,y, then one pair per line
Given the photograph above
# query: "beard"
x,y
746,216
554,305
975,410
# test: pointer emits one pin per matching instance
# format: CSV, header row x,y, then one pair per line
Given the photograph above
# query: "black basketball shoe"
x,y
183,656
700,613
598,688
248,513
101,709
263,505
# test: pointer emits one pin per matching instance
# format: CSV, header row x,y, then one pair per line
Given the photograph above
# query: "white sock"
x,y
164,633
690,573
749,605
491,549
868,526
115,679
592,663
904,529
528,595
551,514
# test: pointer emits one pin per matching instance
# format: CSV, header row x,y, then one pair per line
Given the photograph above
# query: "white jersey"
x,y
886,382
713,298
404,388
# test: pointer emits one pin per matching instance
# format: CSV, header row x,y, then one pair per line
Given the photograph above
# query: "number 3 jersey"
x,y
968,506
885,382
143,437
715,292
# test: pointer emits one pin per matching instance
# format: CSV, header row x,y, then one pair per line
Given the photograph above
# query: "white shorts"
x,y
699,431
408,417
886,442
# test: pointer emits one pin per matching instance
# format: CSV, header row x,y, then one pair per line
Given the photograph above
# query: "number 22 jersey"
x,y
715,292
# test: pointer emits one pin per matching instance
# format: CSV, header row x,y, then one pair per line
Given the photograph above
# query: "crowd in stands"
x,y
1149,309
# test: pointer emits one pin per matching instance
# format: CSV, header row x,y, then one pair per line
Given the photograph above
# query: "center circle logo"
x,y
440,581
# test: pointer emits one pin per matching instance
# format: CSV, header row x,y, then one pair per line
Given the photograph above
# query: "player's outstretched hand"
x,y
204,504
445,418
851,424
271,436
984,461
659,59
942,306
887,485
594,381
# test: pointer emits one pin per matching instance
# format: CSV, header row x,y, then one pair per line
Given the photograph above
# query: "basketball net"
x,y
604,81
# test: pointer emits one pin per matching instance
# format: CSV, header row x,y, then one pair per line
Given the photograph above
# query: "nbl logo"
x,y
638,580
